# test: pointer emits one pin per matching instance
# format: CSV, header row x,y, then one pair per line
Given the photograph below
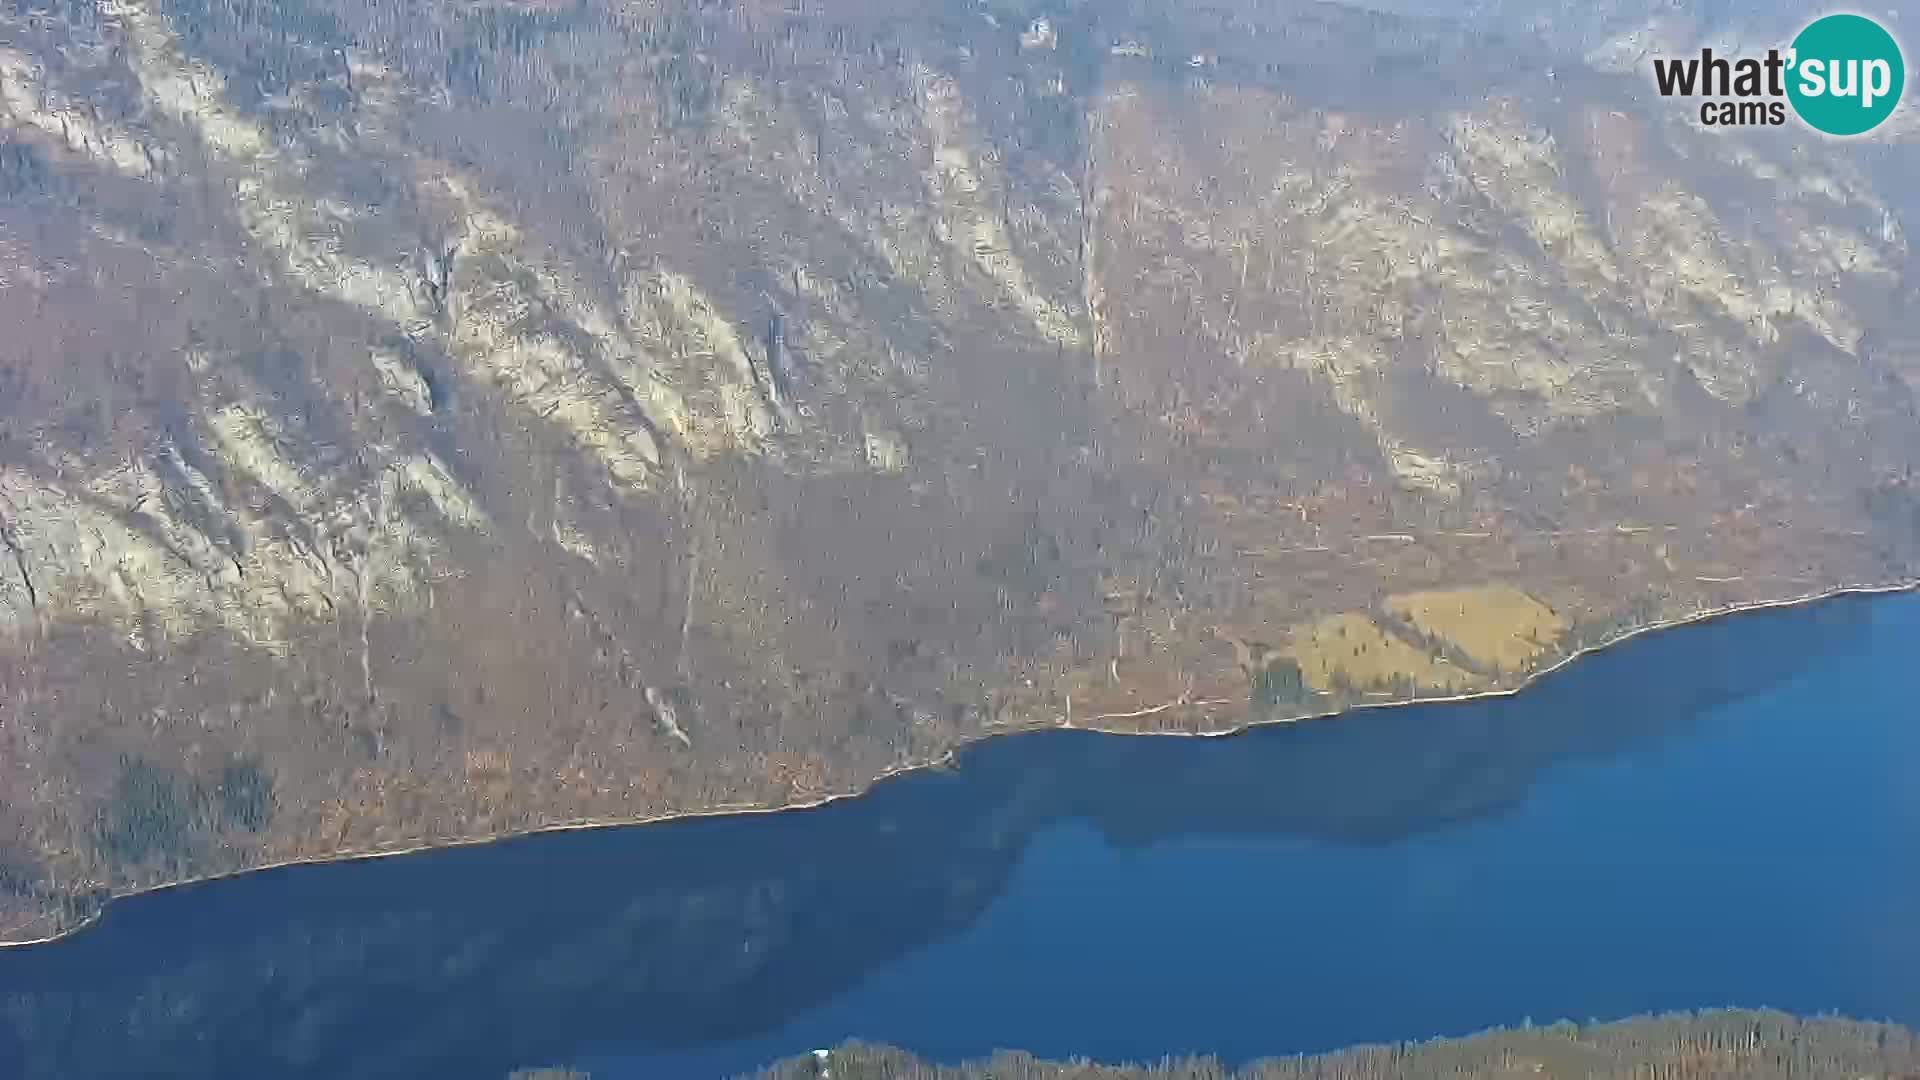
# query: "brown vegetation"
x,y
475,418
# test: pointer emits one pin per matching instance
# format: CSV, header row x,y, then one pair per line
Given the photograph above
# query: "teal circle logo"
x,y
1846,75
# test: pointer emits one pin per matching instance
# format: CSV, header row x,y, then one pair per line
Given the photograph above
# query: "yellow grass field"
x,y
1351,648
1497,627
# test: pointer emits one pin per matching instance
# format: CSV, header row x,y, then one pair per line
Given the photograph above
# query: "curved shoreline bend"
x,y
947,756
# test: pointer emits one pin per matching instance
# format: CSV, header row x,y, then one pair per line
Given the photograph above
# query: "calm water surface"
x,y
1719,815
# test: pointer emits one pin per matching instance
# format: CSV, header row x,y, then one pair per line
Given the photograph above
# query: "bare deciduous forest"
x,y
425,422
1721,1044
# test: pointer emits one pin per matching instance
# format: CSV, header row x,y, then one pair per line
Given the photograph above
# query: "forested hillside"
x,y
422,422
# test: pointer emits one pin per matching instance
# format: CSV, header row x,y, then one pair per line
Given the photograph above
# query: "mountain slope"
x,y
427,422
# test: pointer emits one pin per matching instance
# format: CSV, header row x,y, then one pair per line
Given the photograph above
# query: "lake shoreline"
x,y
947,757
1761,1041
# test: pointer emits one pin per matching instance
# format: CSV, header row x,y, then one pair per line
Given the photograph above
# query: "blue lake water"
x,y
1724,814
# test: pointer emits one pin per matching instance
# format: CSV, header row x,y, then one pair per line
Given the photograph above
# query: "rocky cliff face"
x,y
419,423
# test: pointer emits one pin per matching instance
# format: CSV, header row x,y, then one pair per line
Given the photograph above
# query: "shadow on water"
x,y
469,962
